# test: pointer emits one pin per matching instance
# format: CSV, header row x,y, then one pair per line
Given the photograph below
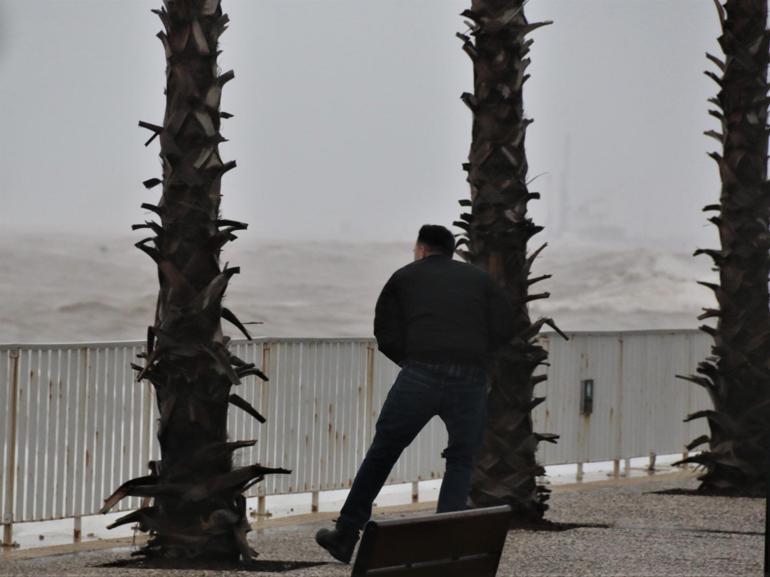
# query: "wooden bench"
x,y
462,544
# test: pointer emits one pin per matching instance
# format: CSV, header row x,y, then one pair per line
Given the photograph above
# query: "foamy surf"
x,y
68,288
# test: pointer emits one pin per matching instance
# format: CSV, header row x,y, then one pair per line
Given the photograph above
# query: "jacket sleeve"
x,y
500,317
389,323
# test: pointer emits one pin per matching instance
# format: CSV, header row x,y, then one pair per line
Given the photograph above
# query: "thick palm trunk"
x,y
497,232
199,510
737,376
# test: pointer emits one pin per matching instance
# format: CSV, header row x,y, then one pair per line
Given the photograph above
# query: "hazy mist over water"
x,y
347,138
348,120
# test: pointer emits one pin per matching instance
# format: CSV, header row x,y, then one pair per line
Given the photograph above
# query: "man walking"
x,y
438,319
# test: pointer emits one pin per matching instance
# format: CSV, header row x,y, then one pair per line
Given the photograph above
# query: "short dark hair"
x,y
437,238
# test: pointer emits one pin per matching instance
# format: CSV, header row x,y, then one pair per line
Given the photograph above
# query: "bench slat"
x,y
477,566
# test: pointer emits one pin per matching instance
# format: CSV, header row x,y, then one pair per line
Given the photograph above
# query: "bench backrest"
x,y
462,544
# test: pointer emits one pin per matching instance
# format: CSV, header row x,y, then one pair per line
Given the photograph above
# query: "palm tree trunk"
x,y
199,510
496,233
737,376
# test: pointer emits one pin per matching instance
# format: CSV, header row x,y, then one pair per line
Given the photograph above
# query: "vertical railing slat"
x,y
11,452
6,412
71,402
47,448
61,432
22,435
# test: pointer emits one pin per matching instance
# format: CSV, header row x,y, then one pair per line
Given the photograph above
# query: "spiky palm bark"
x,y
496,234
199,510
737,376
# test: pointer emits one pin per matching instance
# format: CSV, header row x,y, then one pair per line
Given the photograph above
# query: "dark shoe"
x,y
339,542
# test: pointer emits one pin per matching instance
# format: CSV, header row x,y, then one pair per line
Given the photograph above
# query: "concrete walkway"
x,y
648,534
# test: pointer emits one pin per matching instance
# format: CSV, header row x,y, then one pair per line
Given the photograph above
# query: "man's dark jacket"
x,y
439,310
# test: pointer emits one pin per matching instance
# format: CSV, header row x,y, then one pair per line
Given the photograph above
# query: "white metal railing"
x,y
74,424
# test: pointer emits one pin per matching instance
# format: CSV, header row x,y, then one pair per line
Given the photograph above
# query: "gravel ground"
x,y
648,534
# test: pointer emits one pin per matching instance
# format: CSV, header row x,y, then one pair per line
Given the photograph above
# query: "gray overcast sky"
x,y
348,119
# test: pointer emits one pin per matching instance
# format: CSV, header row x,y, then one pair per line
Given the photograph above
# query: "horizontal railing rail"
x,y
74,423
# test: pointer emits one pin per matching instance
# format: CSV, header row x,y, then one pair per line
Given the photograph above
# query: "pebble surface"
x,y
647,534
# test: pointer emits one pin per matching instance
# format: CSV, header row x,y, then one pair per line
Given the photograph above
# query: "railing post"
x,y
77,531
579,473
147,428
8,530
369,391
651,464
264,403
264,399
261,508
314,502
415,491
10,482
618,424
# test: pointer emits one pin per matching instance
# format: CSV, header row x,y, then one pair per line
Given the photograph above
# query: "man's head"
x,y
433,239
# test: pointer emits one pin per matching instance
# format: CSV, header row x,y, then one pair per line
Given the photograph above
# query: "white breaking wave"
x,y
65,288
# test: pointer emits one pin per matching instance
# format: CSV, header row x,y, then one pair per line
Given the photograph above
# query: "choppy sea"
x,y
73,288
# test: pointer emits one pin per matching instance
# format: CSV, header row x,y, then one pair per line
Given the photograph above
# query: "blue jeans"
x,y
457,394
